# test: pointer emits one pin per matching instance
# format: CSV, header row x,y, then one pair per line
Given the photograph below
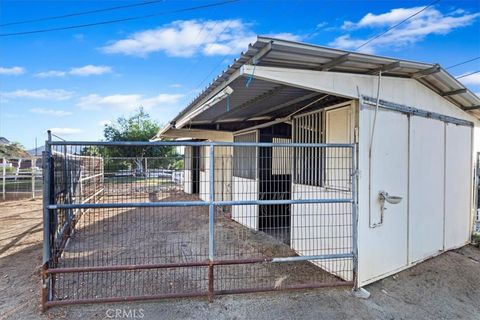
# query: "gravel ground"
x,y
445,287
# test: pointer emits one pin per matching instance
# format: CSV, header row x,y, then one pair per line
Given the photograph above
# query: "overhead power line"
x,y
119,20
75,14
398,24
462,63
468,74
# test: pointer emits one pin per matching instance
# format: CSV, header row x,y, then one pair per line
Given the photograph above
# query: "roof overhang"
x,y
267,58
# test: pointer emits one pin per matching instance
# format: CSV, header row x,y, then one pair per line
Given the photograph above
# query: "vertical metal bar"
x,y
354,174
33,164
46,288
211,223
4,175
211,217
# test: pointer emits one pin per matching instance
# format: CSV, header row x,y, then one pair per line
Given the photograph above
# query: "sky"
x,y
74,81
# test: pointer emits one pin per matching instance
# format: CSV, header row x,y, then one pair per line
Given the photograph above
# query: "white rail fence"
x,y
21,178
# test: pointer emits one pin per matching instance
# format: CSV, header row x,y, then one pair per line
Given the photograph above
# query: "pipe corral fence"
x,y
21,178
204,219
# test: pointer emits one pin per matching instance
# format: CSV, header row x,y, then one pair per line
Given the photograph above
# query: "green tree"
x,y
138,127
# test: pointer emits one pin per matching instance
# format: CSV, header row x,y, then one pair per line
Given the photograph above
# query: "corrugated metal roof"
x,y
296,55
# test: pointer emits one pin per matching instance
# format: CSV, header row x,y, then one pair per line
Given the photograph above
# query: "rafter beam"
x,y
453,92
335,62
425,72
386,68
260,54
248,103
471,108
289,103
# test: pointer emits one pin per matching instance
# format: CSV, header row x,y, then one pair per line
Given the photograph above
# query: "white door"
x,y
339,128
383,246
458,185
426,205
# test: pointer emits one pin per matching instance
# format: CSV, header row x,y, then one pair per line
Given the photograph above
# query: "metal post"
x,y
146,168
33,165
211,218
211,223
354,216
46,289
4,176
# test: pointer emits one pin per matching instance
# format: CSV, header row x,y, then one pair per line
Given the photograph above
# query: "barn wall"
x,y
204,185
426,173
187,172
458,177
223,174
426,162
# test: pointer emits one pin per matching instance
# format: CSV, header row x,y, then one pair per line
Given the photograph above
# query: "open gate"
x,y
122,221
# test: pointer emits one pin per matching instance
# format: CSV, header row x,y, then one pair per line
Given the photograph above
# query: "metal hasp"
x,y
383,197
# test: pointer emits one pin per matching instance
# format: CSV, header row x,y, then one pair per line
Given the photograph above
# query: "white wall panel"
x,y
426,182
322,228
383,249
339,129
458,185
245,189
204,185
187,172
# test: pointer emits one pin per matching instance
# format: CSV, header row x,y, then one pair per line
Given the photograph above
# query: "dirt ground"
x,y
109,237
445,287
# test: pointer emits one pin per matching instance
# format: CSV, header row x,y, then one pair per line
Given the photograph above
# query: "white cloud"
x,y
15,71
84,71
50,112
127,102
429,22
42,94
176,85
66,131
50,74
89,70
384,19
473,79
185,38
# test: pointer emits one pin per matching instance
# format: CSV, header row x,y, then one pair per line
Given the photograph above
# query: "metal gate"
x,y
122,221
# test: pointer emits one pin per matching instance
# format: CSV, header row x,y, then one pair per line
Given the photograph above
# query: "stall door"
x,y
427,154
383,245
458,179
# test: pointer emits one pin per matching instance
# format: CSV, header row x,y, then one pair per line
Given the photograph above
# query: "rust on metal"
x,y
44,293
211,285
